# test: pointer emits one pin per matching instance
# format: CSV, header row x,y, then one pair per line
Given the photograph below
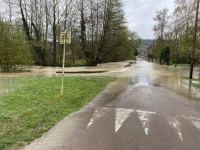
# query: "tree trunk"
x,y
54,33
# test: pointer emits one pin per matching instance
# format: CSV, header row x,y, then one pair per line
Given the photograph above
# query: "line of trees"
x,y
98,27
176,32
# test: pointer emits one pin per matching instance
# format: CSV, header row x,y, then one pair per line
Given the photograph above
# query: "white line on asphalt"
x,y
176,125
194,121
144,117
120,116
99,112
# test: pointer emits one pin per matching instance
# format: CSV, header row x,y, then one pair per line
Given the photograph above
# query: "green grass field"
x,y
36,105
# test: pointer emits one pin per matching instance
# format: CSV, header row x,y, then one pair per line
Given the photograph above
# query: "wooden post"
x,y
63,73
194,41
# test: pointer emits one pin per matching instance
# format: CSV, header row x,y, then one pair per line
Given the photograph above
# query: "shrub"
x,y
14,49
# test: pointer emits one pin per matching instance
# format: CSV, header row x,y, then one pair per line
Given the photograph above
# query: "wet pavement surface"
x,y
141,110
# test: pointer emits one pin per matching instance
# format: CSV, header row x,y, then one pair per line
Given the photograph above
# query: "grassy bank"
x,y
36,106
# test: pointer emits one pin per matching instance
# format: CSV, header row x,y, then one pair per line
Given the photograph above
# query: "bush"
x,y
14,49
165,55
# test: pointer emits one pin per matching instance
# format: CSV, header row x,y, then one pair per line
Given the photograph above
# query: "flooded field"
x,y
148,74
7,79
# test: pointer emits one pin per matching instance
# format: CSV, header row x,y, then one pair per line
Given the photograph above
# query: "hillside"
x,y
145,44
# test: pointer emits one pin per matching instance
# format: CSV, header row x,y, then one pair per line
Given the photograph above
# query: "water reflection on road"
x,y
168,77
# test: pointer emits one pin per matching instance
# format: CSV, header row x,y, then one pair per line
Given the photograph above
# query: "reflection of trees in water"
x,y
190,89
170,78
193,92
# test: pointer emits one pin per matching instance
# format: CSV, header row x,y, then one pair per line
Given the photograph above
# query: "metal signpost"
x,y
65,37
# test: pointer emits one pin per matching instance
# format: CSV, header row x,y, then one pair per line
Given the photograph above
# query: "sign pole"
x,y
63,73
65,37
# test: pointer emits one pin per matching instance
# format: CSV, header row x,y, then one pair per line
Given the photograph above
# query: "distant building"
x,y
149,53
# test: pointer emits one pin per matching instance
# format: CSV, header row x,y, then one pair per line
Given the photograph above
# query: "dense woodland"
x,y
176,32
98,30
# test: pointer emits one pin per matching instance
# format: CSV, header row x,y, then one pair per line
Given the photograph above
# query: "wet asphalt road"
x,y
130,114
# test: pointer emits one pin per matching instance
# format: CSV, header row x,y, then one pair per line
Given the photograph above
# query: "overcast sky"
x,y
140,14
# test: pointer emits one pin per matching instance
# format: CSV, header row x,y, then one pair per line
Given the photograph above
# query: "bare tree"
x,y
96,26
162,22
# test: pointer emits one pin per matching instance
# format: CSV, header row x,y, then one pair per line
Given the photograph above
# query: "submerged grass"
x,y
193,79
197,81
36,106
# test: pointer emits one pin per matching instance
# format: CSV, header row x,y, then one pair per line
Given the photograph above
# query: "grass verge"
x,y
36,106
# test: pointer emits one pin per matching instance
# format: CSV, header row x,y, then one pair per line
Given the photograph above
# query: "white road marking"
x,y
176,125
144,117
194,121
120,116
99,112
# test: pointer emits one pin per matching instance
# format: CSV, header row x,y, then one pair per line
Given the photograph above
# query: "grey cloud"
x,y
140,13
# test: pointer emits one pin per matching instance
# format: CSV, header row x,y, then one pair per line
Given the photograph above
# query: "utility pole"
x,y
194,40
152,50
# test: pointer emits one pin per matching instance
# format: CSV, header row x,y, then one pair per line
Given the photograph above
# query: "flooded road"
x,y
168,77
149,73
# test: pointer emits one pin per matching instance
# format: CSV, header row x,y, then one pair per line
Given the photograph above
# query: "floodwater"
x,y
7,80
151,74
142,73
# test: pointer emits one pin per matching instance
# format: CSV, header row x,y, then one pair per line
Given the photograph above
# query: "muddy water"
x,y
6,85
165,76
142,73
7,80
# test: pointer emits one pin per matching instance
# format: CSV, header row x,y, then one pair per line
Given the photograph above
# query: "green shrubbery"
x,y
165,55
14,50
